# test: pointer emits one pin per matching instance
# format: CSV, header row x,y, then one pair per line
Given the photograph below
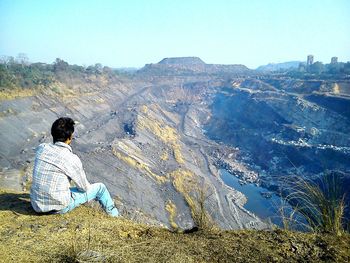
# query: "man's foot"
x,y
113,212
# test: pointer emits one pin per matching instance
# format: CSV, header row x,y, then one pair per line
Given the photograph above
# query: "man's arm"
x,y
78,174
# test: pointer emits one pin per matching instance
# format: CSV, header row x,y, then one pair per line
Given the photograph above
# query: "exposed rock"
x,y
147,139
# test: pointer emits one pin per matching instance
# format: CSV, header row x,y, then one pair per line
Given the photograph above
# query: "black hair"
x,y
62,129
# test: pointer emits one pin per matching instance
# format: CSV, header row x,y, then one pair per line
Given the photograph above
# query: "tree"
x,y
7,80
7,60
60,65
107,70
3,60
98,68
95,69
22,59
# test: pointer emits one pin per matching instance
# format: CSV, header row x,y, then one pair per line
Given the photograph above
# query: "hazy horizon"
x,y
135,33
153,62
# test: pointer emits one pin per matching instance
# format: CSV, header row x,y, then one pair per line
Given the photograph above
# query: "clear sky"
x,y
131,33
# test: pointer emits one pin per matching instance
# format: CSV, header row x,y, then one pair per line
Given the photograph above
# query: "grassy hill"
x,y
88,235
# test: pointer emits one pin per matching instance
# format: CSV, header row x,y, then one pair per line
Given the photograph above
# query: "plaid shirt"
x,y
55,166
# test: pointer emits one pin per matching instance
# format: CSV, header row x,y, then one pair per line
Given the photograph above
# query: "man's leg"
x,y
96,191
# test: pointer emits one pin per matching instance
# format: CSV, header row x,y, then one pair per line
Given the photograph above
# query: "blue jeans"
x,y
96,191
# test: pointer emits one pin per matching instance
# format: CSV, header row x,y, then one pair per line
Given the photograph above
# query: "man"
x,y
55,167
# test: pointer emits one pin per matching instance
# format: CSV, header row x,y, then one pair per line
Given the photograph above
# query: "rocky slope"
x,y
282,129
285,128
136,138
158,140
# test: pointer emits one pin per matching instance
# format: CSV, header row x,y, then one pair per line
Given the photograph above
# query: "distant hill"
x,y
182,61
191,65
279,66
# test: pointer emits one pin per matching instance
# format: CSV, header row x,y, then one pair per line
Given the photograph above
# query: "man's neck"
x,y
63,144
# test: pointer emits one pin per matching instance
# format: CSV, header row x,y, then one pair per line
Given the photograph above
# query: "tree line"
x,y
20,73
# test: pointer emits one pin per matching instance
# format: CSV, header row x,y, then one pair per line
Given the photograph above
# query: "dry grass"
x,y
182,181
138,164
165,133
196,195
201,217
88,235
164,156
171,208
66,88
322,203
16,93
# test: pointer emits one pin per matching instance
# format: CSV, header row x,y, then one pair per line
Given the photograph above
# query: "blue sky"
x,y
131,33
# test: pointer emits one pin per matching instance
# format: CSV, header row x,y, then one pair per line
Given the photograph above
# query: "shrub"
x,y
321,202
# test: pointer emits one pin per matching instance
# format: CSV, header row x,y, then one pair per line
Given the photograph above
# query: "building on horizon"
x,y
310,60
334,60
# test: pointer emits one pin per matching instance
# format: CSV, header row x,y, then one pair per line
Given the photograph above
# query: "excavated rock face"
x,y
144,141
282,130
158,145
277,127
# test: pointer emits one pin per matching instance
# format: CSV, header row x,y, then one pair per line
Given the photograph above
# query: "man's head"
x,y
62,130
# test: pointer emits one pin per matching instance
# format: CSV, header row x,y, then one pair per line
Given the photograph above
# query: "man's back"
x,y
55,165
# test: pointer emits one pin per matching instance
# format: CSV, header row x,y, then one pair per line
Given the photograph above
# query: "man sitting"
x,y
54,169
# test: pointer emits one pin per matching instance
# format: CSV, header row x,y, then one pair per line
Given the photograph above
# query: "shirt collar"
x,y
62,144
